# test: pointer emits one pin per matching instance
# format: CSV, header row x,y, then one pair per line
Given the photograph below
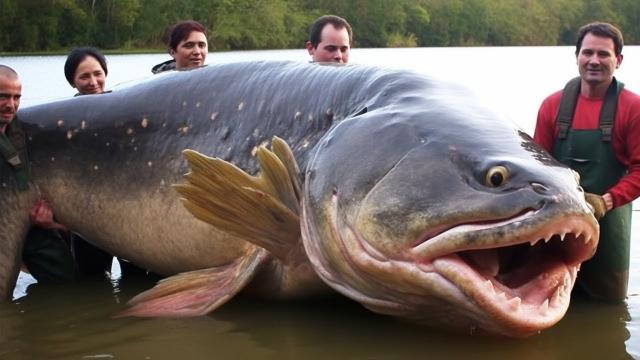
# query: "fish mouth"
x,y
525,285
515,280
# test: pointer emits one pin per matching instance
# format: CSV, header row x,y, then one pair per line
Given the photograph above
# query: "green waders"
x,y
590,153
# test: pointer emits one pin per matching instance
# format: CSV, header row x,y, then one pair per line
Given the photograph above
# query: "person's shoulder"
x,y
629,104
553,99
630,96
165,66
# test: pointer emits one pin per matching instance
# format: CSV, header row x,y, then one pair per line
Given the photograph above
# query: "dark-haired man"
x,y
188,46
330,40
593,126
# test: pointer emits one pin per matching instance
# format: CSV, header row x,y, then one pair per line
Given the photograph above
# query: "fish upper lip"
x,y
433,238
447,241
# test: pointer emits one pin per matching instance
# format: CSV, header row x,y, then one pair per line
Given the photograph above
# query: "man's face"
x,y
10,92
333,46
597,59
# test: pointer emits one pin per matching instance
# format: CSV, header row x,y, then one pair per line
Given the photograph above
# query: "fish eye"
x,y
497,176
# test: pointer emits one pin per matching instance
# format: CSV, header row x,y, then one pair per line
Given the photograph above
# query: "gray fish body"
x,y
107,162
391,161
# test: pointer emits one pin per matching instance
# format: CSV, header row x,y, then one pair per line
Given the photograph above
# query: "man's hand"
x,y
598,204
42,215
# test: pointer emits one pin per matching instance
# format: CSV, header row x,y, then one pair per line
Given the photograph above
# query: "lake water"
x,y
74,321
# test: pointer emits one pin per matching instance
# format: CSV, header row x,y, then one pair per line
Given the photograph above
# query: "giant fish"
x,y
399,191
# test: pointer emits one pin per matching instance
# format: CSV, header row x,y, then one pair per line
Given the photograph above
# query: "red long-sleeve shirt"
x,y
625,139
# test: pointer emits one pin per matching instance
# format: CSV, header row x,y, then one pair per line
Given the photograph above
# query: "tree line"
x,y
57,25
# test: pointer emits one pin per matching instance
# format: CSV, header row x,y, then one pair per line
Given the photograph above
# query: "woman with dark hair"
x,y
86,70
51,252
187,46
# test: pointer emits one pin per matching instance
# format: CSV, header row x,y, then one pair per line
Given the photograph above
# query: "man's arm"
x,y
627,146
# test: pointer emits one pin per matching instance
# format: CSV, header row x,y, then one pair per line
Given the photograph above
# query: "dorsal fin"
x,y
260,209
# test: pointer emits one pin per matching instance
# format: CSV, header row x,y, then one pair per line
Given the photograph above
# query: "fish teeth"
x,y
501,296
562,236
515,303
555,298
544,307
573,272
533,242
489,285
547,238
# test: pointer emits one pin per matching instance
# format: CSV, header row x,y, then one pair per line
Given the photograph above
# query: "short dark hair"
x,y
601,29
315,31
77,55
181,31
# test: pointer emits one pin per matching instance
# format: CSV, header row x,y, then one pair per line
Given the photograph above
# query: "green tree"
x,y
44,25
261,24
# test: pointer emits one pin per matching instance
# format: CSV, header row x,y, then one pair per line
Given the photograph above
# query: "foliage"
x,y
54,25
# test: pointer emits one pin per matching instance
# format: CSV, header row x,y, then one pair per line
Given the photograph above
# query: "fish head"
x,y
446,217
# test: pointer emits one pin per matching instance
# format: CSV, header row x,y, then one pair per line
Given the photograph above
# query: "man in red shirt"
x,y
593,126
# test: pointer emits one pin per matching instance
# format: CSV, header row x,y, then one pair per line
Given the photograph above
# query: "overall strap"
x,y
608,112
12,156
570,99
568,106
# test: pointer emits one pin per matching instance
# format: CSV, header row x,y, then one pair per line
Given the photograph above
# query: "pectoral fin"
x,y
198,292
260,209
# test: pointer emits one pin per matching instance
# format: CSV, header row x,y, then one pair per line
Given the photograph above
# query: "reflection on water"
x,y
76,321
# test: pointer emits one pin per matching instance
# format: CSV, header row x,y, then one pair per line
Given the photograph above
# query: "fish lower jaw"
x,y
534,306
